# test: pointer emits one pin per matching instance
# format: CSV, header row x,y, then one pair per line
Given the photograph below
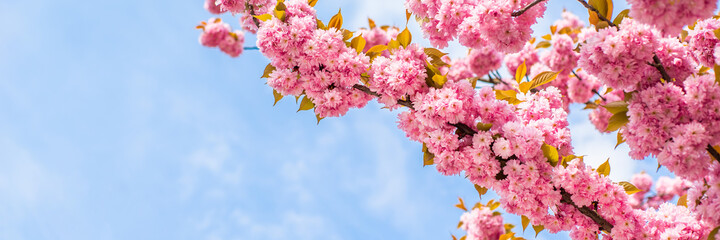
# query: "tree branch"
x,y
659,66
593,90
601,16
251,48
523,10
585,210
252,14
713,153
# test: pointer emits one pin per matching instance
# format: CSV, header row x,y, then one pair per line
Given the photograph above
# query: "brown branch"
x,y
601,16
585,210
593,90
523,10
713,153
659,66
252,14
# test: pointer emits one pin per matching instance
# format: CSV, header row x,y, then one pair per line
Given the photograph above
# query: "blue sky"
x,y
116,124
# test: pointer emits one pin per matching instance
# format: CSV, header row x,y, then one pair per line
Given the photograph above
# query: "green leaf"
x,y
520,72
404,38
551,154
714,232
717,33
263,17
432,52
461,205
617,121
268,70
616,107
620,139
484,126
629,188
543,78
682,201
604,168
428,158
439,80
306,104
336,21
538,229
525,221
277,96
622,15
543,44
393,44
481,190
358,43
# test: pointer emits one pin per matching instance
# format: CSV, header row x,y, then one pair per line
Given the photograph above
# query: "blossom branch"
x,y
523,10
593,90
585,210
252,13
601,16
659,66
251,48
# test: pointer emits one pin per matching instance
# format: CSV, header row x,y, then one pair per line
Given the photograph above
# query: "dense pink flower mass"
x,y
213,8
703,42
482,224
476,23
508,138
671,15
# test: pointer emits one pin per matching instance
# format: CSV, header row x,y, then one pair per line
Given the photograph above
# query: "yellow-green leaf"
x,y
543,78
268,70
682,201
538,229
553,29
263,17
432,52
492,204
714,232
629,188
279,14
312,2
481,190
404,38
336,21
716,69
616,107
371,23
525,221
453,236
306,104
277,96
507,236
622,15
604,168
439,80
547,37
377,49
717,33
520,72
543,44
460,224
358,43
347,34
484,126
551,153
461,205
463,238
620,139
428,158
617,121
407,16
525,87
393,44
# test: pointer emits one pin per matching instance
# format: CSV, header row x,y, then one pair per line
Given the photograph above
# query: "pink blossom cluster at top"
x,y
399,76
528,55
481,224
703,42
378,36
671,15
478,63
476,23
258,7
561,56
666,189
218,34
312,61
676,125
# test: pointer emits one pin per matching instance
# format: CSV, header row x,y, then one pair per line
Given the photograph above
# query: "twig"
x,y
713,153
600,15
659,66
521,11
585,210
593,90
252,13
251,48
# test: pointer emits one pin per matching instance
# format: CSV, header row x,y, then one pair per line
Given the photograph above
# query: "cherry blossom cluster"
x,y
476,23
676,125
482,224
246,8
666,189
399,76
312,61
219,34
378,36
600,117
528,55
704,197
669,16
479,62
703,42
